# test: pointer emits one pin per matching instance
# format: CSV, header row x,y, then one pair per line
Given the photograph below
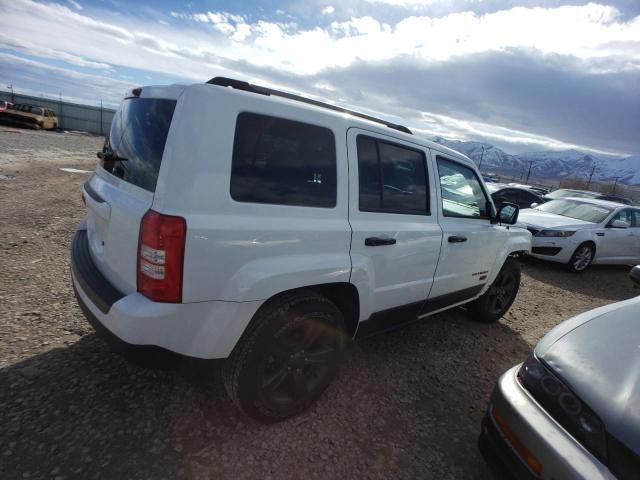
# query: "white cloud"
x,y
242,32
456,129
74,86
75,4
41,51
589,31
595,33
328,10
407,3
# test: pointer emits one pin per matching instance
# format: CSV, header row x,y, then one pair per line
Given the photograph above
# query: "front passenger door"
x,y
470,243
619,245
635,233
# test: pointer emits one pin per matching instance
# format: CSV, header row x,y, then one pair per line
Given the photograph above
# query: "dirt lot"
x,y
407,404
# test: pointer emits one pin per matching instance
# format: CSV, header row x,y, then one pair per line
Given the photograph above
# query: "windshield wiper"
x,y
111,157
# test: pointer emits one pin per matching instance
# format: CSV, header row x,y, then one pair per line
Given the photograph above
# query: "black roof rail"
x,y
248,87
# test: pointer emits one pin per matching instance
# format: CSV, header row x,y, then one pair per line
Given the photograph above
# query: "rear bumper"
x,y
205,330
558,452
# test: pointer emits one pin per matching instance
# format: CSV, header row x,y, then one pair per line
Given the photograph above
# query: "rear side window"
x,y
133,151
392,178
283,162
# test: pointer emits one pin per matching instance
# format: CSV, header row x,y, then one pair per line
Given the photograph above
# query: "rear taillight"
x,y
160,256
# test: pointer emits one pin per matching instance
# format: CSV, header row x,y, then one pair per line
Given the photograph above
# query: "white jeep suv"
x,y
231,221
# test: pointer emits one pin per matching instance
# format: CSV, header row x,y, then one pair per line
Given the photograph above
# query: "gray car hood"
x,y
598,355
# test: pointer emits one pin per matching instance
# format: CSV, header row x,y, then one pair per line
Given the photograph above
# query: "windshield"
x,y
563,193
133,151
587,212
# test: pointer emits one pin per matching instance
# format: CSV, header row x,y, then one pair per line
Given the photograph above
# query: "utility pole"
x,y
529,172
593,169
100,116
10,87
61,115
481,157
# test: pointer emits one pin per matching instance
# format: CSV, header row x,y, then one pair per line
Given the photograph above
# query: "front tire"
x,y
497,300
581,258
287,357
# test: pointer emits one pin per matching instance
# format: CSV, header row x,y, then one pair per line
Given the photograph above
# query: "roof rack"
x,y
247,87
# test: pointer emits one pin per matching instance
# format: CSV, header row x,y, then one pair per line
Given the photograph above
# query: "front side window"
x,y
625,215
462,194
392,178
283,162
508,195
527,199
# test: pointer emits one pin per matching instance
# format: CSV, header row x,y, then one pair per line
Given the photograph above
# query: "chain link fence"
x,y
71,116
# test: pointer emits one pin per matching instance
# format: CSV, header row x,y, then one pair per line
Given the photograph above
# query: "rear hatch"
x,y
122,190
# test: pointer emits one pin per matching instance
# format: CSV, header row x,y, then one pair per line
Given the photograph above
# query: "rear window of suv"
x,y
283,162
133,151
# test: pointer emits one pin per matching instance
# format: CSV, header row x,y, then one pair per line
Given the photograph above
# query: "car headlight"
x,y
555,233
564,406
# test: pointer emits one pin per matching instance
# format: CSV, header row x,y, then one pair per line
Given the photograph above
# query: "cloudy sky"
x,y
522,74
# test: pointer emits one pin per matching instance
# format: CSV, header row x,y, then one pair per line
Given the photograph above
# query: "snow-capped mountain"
x,y
626,169
550,164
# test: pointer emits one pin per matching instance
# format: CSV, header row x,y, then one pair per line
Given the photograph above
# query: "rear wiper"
x,y
111,157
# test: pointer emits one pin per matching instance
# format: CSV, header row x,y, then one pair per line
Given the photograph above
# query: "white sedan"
x,y
582,231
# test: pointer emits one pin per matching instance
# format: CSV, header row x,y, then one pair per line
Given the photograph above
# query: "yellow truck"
x,y
31,116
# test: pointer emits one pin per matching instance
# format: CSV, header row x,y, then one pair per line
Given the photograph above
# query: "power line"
x,y
10,87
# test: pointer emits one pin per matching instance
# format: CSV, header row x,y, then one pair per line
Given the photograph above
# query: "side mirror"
x,y
618,224
534,205
508,213
635,274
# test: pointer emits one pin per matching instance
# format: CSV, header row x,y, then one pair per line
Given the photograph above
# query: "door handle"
x,y
377,241
456,239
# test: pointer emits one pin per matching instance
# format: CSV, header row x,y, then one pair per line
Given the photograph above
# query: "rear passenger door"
x,y
396,237
470,242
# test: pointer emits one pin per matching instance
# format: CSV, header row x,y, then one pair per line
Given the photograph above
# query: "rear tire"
x,y
287,357
497,300
581,258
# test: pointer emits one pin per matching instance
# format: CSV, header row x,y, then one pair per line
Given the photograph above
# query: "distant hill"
x,y
550,164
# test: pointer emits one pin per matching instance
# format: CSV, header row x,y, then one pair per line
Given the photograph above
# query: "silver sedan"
x,y
572,409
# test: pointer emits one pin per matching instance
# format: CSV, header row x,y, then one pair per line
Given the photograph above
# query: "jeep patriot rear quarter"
x,y
265,229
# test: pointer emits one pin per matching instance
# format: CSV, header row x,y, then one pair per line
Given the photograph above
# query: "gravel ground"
x,y
406,405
